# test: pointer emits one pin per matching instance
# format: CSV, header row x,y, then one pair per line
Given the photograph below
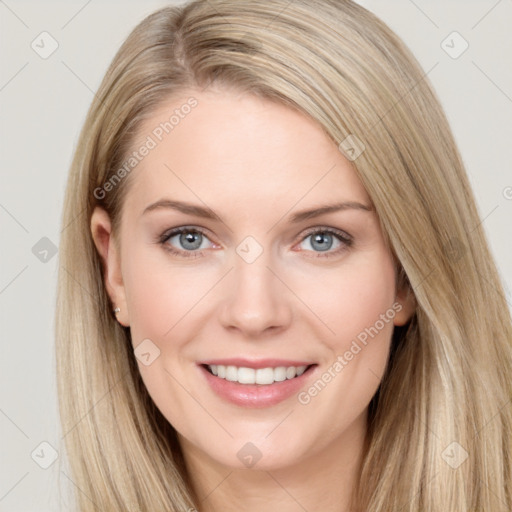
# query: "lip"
x,y
255,363
256,395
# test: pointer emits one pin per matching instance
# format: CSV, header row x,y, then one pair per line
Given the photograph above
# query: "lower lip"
x,y
256,395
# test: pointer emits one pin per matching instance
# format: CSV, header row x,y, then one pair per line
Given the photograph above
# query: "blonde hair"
x,y
450,370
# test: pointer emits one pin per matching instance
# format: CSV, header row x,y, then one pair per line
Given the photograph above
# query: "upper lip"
x,y
255,363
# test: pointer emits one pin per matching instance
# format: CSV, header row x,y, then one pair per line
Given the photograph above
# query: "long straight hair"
x,y
440,426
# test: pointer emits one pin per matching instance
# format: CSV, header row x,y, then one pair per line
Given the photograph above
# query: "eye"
x,y
190,242
185,241
323,240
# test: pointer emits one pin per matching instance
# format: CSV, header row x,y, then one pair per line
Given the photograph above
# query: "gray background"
x,y
43,105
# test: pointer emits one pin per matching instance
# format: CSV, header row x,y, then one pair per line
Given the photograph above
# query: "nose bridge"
x,y
256,299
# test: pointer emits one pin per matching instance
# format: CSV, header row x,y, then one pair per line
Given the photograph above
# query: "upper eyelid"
x,y
321,229
179,229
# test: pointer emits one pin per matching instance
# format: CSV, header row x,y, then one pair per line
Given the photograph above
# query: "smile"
x,y
262,383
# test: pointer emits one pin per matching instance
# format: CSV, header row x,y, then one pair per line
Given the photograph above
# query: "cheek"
x,y
358,306
353,297
162,301
161,296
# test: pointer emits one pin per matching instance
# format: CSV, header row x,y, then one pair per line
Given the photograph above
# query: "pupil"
x,y
325,241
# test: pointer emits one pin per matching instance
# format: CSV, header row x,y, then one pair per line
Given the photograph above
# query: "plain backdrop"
x,y
43,105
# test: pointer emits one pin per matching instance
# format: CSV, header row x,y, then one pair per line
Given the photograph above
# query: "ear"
x,y
405,298
101,231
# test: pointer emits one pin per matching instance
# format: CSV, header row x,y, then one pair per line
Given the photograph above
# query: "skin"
x,y
254,163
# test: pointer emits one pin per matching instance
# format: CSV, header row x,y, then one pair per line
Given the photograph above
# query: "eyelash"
x,y
343,237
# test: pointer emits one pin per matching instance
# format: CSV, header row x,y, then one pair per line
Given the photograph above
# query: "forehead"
x,y
227,146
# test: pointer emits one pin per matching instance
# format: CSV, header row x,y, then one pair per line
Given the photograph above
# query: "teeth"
x,y
244,375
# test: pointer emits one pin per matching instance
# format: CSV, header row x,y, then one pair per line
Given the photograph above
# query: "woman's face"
x,y
281,264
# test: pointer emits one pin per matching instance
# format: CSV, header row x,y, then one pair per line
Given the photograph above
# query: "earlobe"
x,y
406,305
101,232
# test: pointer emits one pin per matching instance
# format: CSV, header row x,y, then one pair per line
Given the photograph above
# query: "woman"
x,y
306,313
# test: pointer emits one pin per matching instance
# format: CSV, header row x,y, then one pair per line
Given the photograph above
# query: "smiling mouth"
x,y
262,376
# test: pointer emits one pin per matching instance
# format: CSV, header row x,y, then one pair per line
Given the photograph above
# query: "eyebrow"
x,y
207,213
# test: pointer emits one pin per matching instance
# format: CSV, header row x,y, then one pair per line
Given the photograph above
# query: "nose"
x,y
256,300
